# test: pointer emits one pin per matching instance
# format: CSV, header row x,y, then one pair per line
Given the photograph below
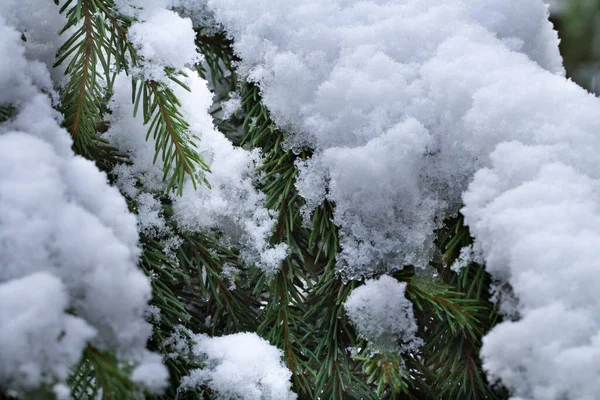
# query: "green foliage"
x,y
219,59
453,310
85,51
453,337
282,319
100,373
170,131
96,51
6,112
387,372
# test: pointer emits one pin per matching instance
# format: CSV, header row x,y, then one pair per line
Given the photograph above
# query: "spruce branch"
x,y
170,131
338,376
218,67
451,315
282,317
86,50
219,58
457,313
387,372
324,236
230,309
302,304
283,326
167,281
451,327
97,50
6,112
101,375
454,353
190,291
339,372
335,374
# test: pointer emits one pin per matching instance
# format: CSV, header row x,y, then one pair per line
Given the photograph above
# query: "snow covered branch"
x,y
411,104
68,244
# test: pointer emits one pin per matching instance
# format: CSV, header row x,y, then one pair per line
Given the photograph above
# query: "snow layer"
x,y
231,203
466,256
198,11
240,366
65,235
360,82
163,39
535,215
383,315
40,22
404,100
38,340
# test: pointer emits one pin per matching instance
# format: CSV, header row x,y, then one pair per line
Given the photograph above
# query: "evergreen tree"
x,y
270,264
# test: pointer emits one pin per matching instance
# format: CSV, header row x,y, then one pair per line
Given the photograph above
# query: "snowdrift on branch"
x,y
68,244
405,102
237,366
231,204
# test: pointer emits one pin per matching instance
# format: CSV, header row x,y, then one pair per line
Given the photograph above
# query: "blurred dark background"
x,y
578,25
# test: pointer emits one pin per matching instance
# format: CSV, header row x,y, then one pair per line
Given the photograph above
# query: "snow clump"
x,y
240,366
231,203
66,236
379,90
383,315
415,107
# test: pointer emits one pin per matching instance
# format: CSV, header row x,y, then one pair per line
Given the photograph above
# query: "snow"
x,y
358,81
38,341
152,374
411,104
178,345
383,315
129,134
231,203
163,39
67,237
465,257
198,12
413,107
40,23
240,366
231,106
545,222
62,391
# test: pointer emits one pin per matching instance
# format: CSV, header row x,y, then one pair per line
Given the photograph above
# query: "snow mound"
x,y
358,81
240,366
383,315
65,235
405,102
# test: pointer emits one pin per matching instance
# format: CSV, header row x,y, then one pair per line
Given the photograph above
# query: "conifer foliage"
x,y
294,200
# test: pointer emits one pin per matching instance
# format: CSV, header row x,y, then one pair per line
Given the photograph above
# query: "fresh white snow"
x,y
409,104
379,90
383,315
240,366
231,203
413,108
67,241
163,39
